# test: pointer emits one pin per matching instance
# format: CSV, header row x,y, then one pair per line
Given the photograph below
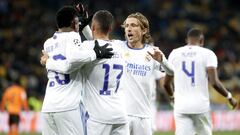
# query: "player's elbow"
x,y
167,86
215,83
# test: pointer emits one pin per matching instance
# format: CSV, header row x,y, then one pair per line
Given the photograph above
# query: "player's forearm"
x,y
167,67
169,89
87,32
218,86
62,66
168,85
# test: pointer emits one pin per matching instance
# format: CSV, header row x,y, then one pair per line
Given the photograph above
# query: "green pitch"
x,y
215,133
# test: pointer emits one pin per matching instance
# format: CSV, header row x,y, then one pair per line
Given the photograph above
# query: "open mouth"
x,y
130,35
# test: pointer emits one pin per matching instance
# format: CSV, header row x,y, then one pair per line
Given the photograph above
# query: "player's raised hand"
x,y
84,18
44,58
102,51
157,54
233,102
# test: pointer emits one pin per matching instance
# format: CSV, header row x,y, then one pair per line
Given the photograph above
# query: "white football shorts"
x,y
96,128
140,126
63,123
192,124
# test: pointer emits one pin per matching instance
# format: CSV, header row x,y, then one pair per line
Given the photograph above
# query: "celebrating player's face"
x,y
133,31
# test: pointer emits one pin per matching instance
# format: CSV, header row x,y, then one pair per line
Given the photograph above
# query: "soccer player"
x,y
193,66
103,93
14,99
140,70
61,111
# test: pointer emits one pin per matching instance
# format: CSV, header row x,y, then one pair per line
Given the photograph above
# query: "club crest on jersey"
x,y
126,55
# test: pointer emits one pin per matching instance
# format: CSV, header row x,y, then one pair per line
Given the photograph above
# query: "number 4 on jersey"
x,y
189,74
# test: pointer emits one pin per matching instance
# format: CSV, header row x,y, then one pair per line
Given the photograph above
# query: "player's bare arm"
x,y
214,80
168,86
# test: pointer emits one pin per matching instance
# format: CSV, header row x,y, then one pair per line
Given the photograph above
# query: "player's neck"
x,y
101,36
65,29
135,45
194,43
189,44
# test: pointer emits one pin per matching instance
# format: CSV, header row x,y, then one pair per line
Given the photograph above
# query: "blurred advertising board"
x,y
222,121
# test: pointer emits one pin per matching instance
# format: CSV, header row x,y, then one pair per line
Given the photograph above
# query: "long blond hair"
x,y
144,24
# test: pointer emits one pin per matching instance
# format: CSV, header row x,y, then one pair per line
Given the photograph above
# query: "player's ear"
x,y
93,27
144,31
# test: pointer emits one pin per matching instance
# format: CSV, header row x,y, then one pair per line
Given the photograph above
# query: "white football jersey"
x,y
190,78
63,91
103,92
140,68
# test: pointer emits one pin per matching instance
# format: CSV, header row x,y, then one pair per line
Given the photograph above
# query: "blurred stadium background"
x,y
26,24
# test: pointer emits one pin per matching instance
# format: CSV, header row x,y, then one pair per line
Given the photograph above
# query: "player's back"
x,y
190,78
103,93
14,97
63,91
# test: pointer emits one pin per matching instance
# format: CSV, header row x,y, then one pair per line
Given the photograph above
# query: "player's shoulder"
x,y
61,36
88,44
149,46
73,34
120,43
205,51
48,41
177,50
116,41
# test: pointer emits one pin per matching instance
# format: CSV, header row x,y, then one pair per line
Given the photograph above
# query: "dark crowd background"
x,y
26,24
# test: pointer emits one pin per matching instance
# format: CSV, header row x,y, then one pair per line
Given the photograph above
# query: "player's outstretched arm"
x,y
59,66
214,80
75,58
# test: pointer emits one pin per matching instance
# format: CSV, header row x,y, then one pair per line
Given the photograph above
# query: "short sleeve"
x,y
211,59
